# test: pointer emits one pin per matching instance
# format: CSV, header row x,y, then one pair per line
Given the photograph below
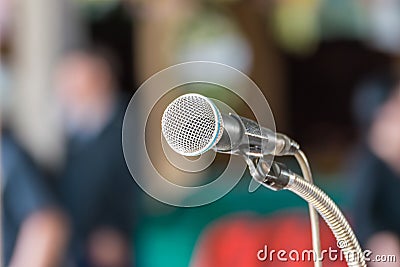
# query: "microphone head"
x,y
191,124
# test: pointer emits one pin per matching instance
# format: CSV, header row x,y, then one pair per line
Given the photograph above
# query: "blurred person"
x,y
384,138
35,231
377,215
94,185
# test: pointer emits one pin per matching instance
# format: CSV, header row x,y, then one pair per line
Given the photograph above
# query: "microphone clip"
x,y
276,176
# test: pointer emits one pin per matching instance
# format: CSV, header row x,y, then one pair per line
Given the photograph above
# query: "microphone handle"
x,y
245,136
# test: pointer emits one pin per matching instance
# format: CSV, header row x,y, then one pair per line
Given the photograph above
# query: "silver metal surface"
x,y
316,240
333,217
191,124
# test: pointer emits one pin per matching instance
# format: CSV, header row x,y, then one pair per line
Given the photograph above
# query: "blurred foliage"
x,y
213,35
296,25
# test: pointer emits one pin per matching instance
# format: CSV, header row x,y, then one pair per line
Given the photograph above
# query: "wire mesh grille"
x,y
191,124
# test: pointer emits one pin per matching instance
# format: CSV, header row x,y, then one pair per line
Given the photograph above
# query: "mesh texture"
x,y
191,124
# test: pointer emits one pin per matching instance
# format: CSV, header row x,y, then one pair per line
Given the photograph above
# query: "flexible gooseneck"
x,y
280,177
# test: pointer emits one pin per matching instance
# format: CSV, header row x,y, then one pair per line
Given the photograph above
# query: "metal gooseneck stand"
x,y
278,177
316,240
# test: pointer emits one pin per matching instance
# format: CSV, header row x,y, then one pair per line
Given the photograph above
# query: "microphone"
x,y
192,125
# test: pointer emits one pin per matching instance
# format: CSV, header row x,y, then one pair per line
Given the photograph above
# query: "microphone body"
x,y
192,124
245,135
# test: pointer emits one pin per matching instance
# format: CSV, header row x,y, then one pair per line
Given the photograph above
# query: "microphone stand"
x,y
315,234
279,177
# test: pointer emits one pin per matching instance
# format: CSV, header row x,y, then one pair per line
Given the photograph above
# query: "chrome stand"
x,y
279,177
316,240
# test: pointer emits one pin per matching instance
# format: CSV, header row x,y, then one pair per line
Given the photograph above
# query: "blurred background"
x,y
329,69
